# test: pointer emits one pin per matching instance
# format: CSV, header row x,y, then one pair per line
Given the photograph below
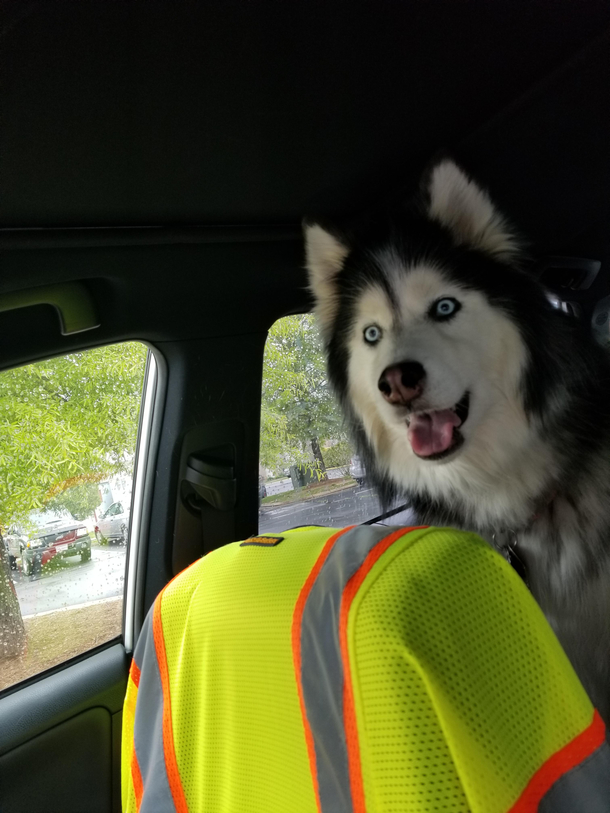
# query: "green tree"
x,y
298,408
79,500
339,454
71,419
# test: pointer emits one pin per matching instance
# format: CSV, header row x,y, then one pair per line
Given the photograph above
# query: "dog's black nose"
x,y
402,383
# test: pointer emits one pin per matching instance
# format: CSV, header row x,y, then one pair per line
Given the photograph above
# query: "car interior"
x,y
156,162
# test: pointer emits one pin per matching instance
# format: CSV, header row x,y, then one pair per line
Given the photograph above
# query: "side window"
x,y
309,471
68,431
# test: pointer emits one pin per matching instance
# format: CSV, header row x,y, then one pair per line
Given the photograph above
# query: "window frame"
x,y
149,426
149,432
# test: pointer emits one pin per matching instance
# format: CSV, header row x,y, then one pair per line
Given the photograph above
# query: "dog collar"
x,y
506,540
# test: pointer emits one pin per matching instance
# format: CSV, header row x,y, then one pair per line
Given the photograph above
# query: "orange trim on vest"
x,y
171,764
134,674
568,757
349,710
136,779
297,619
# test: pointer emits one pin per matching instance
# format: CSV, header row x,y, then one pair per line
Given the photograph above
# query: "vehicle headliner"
x,y
166,153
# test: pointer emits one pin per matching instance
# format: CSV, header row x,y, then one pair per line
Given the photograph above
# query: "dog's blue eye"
x,y
444,308
372,334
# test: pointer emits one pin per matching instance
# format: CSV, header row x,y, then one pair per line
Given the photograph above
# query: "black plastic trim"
x,y
80,237
96,680
158,415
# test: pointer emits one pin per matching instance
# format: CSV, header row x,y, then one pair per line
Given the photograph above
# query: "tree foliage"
x,y
338,455
298,407
72,419
79,500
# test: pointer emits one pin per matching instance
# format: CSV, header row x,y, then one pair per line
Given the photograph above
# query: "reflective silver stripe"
x,y
584,789
148,729
322,668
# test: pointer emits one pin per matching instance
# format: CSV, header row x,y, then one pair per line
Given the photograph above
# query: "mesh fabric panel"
x,y
462,691
236,717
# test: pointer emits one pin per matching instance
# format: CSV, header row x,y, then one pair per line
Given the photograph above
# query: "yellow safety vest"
x,y
366,669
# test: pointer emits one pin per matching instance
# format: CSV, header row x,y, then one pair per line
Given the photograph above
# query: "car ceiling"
x,y
165,152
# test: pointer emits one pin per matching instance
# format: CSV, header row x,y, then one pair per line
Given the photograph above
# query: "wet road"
x,y
347,507
66,582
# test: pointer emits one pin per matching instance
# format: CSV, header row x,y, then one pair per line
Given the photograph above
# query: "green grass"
x,y
61,635
310,492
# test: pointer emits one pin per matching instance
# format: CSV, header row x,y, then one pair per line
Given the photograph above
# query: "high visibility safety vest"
x,y
366,669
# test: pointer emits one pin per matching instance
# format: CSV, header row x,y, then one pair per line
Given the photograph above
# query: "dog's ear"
x,y
325,253
455,201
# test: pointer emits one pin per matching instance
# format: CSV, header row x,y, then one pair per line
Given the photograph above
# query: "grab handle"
x,y
71,300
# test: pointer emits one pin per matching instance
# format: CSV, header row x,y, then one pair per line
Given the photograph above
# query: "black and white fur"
x,y
533,454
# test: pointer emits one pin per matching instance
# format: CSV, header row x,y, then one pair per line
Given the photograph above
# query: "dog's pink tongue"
x,y
432,432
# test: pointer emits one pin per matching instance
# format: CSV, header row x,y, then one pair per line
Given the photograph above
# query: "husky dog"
x,y
473,397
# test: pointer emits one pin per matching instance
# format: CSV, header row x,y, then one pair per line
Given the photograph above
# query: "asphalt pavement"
x,y
348,507
69,582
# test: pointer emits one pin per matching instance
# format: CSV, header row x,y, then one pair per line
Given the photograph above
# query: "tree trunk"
x,y
12,631
317,453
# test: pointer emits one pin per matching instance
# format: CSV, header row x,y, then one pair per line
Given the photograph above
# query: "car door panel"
x,y
118,521
79,747
112,521
65,723
105,523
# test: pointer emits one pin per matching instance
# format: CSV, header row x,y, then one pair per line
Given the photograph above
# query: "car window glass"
x,y
309,471
68,430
